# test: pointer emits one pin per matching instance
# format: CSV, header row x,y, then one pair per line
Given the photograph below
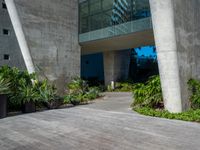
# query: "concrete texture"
x,y
176,31
51,32
164,32
47,32
118,37
20,35
13,50
90,128
116,65
113,101
136,39
187,27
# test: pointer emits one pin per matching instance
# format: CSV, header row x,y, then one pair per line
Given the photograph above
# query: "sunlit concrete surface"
x,y
102,125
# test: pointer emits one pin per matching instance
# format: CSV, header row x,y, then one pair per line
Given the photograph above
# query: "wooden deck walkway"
x,y
97,127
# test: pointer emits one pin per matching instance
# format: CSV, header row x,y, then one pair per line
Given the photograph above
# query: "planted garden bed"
x,y
23,92
148,100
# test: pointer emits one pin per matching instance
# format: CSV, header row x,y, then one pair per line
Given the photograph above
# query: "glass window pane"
x,y
95,6
84,10
107,19
141,9
96,22
97,14
122,11
84,24
107,4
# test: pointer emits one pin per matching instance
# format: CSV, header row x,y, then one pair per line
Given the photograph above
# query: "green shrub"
x,y
25,87
121,87
191,115
80,92
77,85
148,101
27,93
148,94
48,94
17,79
15,75
194,87
74,99
125,87
92,93
4,85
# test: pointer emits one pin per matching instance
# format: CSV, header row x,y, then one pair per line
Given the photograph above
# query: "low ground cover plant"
x,y
17,80
191,115
78,91
121,87
148,94
25,92
48,94
194,86
4,86
25,88
4,91
148,100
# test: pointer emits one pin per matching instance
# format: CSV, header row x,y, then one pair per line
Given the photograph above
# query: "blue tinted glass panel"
x,y
99,14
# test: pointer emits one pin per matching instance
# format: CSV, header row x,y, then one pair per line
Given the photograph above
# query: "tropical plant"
x,y
93,93
48,94
47,91
125,87
28,94
148,94
15,76
77,85
121,87
4,85
74,99
26,88
80,92
190,115
194,87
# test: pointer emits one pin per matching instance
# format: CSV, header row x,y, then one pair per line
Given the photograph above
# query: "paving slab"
x,y
113,101
97,127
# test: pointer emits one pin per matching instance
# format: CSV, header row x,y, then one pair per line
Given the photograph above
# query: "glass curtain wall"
x,y
98,14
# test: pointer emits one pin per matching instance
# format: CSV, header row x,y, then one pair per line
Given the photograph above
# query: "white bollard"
x,y
112,85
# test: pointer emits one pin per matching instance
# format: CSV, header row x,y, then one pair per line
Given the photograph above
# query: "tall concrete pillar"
x,y
47,32
116,65
177,40
14,17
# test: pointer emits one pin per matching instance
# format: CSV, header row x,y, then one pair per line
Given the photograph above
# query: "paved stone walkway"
x,y
103,125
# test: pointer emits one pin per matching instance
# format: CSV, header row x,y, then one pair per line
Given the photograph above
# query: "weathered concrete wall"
x,y
176,31
8,43
116,65
187,29
51,32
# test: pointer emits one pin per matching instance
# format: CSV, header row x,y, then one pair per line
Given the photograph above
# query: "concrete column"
x,y
47,32
176,30
20,35
165,39
116,65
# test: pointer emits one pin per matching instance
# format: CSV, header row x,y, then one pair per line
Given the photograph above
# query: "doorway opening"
x,y
143,64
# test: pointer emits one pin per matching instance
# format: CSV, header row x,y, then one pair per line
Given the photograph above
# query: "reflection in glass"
x,y
107,4
97,14
95,6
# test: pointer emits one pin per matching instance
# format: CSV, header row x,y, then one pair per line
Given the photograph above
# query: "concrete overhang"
x,y
123,36
133,40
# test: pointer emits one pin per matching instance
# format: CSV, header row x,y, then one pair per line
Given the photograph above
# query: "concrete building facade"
x,y
176,32
47,33
10,53
49,37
